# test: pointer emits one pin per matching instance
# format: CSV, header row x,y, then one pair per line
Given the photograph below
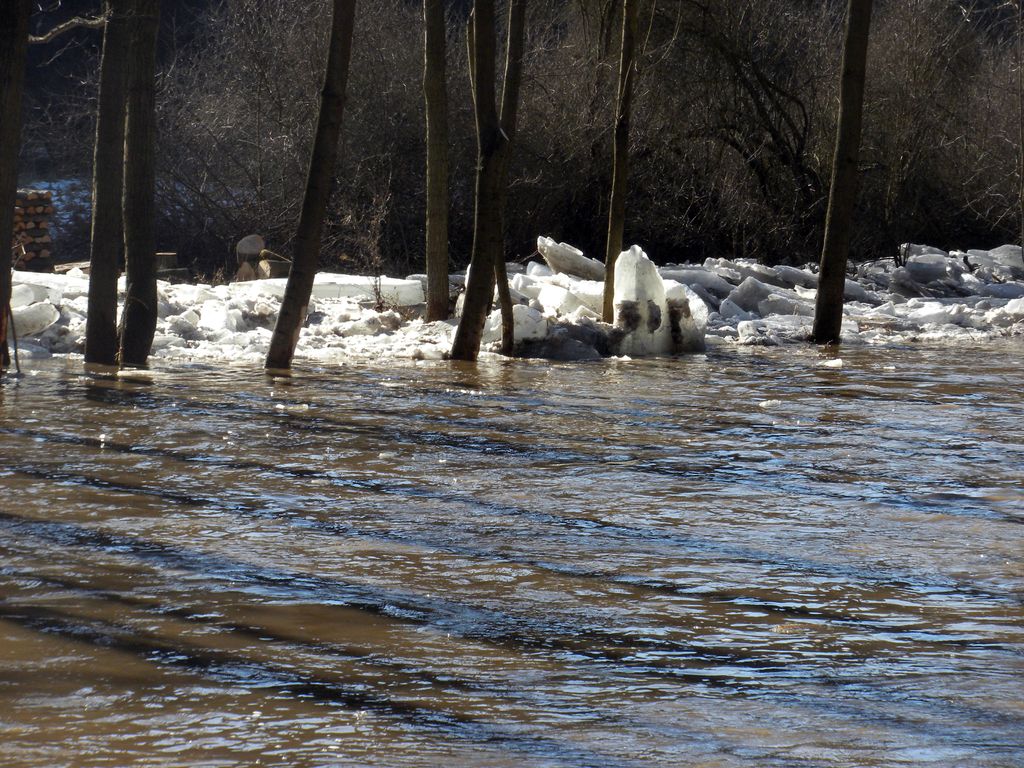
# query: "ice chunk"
x,y
213,315
366,326
56,286
27,350
23,295
751,332
698,308
725,269
688,317
939,313
1002,263
1008,256
328,285
641,309
34,318
536,269
913,250
185,324
766,274
526,285
589,293
1005,316
750,293
557,300
927,268
530,324
706,279
779,304
729,310
796,277
583,314
562,257
1001,290
854,291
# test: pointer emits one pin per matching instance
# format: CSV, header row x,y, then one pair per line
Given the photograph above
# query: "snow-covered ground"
x,y
936,297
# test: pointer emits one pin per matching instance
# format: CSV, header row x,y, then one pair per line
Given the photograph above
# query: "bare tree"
x,y
138,318
1020,117
828,311
435,93
318,190
14,17
495,131
620,161
108,188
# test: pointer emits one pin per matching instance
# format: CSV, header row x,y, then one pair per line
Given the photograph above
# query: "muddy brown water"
x,y
737,560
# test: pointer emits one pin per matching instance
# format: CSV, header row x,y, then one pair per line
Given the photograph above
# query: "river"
x,y
744,559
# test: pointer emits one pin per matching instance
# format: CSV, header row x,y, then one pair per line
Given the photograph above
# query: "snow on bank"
x,y
933,296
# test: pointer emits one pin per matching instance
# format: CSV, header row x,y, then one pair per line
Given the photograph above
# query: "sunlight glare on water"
x,y
744,559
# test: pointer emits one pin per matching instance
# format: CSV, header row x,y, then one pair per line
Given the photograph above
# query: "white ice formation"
x,y
930,296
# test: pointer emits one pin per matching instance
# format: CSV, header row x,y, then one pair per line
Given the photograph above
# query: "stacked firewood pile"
x,y
33,245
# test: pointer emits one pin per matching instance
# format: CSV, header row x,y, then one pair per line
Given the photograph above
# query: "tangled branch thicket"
x,y
733,129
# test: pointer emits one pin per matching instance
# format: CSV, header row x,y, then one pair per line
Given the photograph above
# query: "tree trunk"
x,y
620,160
107,189
318,189
828,311
508,318
494,137
509,111
138,318
14,16
1020,120
435,94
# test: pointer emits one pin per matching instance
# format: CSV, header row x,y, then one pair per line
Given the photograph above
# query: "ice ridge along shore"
x,y
931,296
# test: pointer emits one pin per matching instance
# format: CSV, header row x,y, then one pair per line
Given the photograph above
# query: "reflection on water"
x,y
743,560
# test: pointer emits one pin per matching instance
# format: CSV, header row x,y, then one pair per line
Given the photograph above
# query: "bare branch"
x,y
79,22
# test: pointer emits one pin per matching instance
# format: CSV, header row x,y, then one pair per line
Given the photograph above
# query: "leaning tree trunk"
x,y
828,310
494,137
435,94
14,15
107,189
620,161
138,318
318,189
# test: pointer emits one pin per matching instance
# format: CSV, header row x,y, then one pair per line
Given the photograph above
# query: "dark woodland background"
x,y
733,128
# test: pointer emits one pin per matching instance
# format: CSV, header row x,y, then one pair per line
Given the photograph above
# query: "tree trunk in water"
x,y
494,138
1020,119
508,321
14,16
620,160
309,235
435,94
828,311
138,318
107,189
